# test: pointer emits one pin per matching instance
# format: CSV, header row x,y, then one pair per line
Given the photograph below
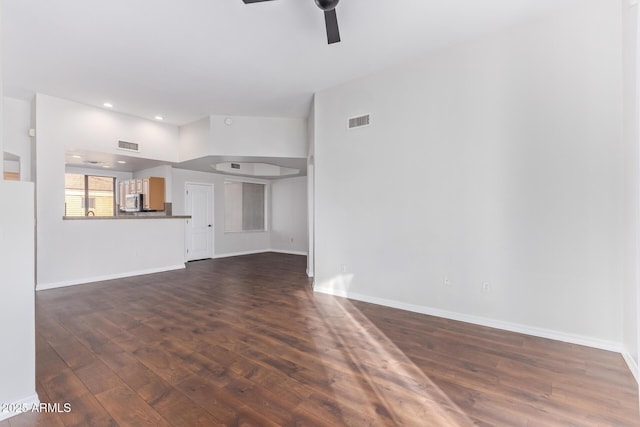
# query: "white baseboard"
x,y
282,251
54,285
633,366
231,254
25,404
482,321
260,251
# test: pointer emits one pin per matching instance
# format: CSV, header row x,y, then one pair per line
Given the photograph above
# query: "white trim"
x,y
54,285
281,251
259,251
246,231
25,403
231,254
633,366
482,321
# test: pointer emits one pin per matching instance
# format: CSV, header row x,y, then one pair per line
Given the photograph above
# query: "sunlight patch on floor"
x,y
380,371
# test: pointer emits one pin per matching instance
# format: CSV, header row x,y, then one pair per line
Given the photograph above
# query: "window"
x,y
89,195
244,206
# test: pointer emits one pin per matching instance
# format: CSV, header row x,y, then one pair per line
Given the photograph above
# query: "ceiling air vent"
x,y
360,121
129,146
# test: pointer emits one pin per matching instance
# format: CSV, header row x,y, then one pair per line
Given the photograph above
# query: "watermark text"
x,y
59,408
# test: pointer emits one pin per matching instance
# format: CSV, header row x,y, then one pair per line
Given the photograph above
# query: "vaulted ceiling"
x,y
187,59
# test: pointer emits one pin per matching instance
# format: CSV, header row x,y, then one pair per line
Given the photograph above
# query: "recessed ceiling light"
x,y
75,156
122,162
159,118
108,105
106,166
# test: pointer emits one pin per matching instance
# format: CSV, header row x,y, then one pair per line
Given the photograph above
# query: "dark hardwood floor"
x,y
244,341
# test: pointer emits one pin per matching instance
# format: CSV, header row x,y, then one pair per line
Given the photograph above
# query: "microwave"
x,y
132,203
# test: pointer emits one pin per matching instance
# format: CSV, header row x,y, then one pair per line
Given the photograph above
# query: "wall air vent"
x,y
360,121
129,146
235,165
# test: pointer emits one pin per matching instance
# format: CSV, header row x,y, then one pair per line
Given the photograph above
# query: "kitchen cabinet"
x,y
151,188
134,186
123,190
131,186
153,194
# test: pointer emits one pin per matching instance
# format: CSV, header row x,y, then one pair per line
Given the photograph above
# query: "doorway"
x,y
199,232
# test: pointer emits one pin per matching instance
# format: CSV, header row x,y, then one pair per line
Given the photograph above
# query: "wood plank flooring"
x,y
245,342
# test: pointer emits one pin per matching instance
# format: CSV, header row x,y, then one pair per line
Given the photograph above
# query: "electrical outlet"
x,y
485,287
343,268
446,281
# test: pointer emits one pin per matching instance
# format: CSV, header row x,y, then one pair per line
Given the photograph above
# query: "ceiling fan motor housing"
x,y
327,4
330,17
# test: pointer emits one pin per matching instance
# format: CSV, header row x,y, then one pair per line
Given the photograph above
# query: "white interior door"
x,y
199,234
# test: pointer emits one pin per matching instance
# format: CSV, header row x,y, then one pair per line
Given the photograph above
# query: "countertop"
x,y
119,217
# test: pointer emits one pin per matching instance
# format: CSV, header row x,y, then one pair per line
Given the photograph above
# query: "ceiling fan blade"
x,y
253,1
331,22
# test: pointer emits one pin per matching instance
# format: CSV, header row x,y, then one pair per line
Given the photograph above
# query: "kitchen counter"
x,y
94,218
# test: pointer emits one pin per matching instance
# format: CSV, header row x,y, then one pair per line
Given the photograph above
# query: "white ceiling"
x,y
187,59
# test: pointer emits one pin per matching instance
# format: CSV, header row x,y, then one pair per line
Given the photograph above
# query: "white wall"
x,y
1,106
99,130
245,136
499,160
17,310
79,251
32,162
289,231
95,250
632,181
195,139
224,243
311,134
259,136
17,121
17,358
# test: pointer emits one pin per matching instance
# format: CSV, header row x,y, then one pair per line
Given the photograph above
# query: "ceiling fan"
x,y
330,17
